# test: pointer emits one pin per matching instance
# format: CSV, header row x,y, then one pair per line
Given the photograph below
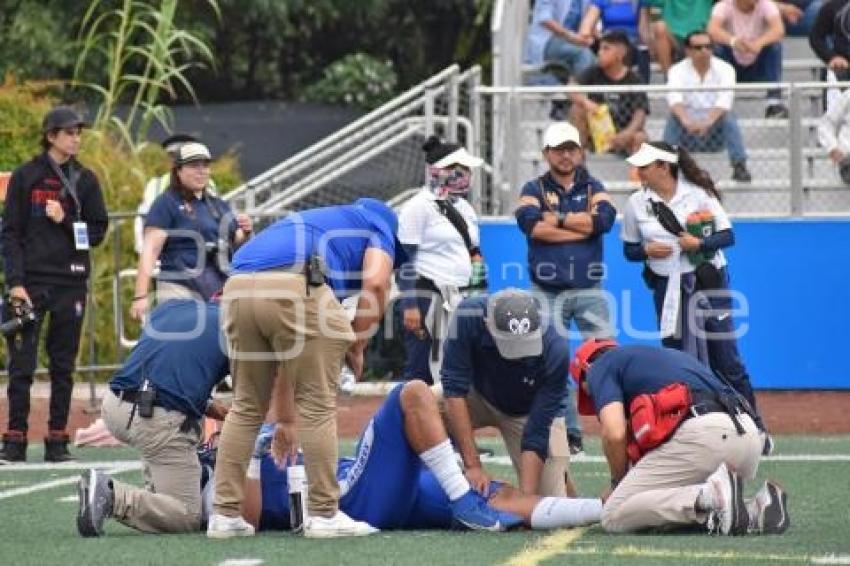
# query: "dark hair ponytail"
x,y
689,167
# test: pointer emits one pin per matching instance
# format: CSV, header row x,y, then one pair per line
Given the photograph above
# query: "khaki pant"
x,y
552,481
661,490
172,501
275,328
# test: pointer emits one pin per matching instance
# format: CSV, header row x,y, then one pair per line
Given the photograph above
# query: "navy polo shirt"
x,y
623,373
339,234
534,386
568,265
181,353
203,216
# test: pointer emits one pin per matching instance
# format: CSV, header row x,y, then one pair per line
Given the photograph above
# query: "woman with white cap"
x,y
678,228
190,232
439,231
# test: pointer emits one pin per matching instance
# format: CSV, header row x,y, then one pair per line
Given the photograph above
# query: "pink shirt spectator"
x,y
744,25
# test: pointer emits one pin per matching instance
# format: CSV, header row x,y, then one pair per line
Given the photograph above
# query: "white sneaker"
x,y
221,527
728,514
340,525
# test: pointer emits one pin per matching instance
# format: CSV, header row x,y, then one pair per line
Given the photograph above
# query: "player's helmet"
x,y
589,349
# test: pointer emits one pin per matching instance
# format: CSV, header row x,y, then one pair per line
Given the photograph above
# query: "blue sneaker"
x,y
472,511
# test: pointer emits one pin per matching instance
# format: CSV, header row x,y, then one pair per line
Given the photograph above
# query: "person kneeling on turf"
x,y
155,403
681,453
405,476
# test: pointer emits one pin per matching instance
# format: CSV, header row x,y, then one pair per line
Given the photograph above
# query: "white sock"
x,y
440,459
559,512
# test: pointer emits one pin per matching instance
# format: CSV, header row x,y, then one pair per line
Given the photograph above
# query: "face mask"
x,y
446,182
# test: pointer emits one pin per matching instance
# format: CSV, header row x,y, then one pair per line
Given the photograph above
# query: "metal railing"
x,y
343,166
792,175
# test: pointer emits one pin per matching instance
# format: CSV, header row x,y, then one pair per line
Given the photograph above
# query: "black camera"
x,y
22,314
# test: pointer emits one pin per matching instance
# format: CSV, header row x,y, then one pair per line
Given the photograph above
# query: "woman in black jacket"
x,y
54,214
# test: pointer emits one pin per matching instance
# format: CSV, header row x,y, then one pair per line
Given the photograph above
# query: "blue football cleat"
x,y
472,512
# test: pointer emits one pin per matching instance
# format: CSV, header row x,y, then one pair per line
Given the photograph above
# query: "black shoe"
x,y
768,446
96,502
776,111
740,172
768,510
576,444
56,448
14,448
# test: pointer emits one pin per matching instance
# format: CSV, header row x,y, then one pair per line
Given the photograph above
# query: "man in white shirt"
x,y
703,120
834,133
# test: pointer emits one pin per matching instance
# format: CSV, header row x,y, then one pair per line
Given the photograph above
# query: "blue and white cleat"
x,y
472,511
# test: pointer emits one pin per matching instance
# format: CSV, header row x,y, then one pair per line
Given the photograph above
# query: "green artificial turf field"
x,y
38,505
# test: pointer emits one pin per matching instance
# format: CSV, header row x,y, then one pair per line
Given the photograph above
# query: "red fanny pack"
x,y
654,417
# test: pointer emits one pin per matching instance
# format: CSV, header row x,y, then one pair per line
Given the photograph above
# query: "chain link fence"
x,y
786,171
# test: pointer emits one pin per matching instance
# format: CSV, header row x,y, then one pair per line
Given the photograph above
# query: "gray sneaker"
x,y
728,515
768,512
96,502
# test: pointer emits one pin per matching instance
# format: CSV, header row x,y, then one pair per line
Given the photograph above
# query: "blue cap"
x,y
387,216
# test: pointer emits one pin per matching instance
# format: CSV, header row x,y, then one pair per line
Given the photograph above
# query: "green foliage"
x,y
358,80
144,54
21,111
36,36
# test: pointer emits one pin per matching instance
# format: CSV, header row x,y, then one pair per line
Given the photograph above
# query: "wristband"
x,y
562,217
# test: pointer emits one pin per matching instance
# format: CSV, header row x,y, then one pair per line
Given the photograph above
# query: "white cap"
x,y
192,151
648,153
559,133
459,157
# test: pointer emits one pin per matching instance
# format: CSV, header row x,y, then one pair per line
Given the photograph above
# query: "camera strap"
x,y
69,183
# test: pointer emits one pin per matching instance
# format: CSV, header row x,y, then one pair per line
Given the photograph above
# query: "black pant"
x,y
63,308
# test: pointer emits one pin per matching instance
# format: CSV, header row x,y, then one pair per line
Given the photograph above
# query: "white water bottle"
x,y
296,476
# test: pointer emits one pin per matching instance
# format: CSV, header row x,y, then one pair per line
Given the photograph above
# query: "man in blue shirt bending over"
x,y
502,368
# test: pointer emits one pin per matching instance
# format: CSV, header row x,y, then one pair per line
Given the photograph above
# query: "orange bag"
x,y
654,417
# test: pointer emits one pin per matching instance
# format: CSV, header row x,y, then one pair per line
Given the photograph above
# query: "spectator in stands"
x,y
628,110
565,215
799,16
678,18
703,120
830,40
627,16
834,132
749,36
157,185
190,231
553,36
439,231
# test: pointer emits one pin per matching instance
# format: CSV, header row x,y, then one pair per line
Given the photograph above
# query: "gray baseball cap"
x,y
514,321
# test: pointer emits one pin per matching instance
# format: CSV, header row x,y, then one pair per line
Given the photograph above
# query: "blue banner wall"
x,y
793,276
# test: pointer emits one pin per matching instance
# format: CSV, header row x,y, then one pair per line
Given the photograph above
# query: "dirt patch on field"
x,y
792,412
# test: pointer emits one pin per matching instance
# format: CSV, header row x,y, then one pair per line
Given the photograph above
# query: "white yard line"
x,y
75,465
110,468
583,458
832,559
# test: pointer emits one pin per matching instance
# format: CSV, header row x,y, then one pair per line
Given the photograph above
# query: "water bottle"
x,y
708,228
694,228
296,476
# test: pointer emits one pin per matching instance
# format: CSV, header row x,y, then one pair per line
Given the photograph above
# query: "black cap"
x,y
442,154
62,117
177,139
514,322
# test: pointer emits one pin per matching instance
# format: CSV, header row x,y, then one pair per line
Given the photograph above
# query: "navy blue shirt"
x,y
534,386
623,373
339,234
567,265
202,216
182,354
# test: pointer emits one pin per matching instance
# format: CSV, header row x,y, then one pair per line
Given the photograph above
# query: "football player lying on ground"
x,y
405,476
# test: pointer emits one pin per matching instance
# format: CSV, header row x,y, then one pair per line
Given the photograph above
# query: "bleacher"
x,y
767,142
